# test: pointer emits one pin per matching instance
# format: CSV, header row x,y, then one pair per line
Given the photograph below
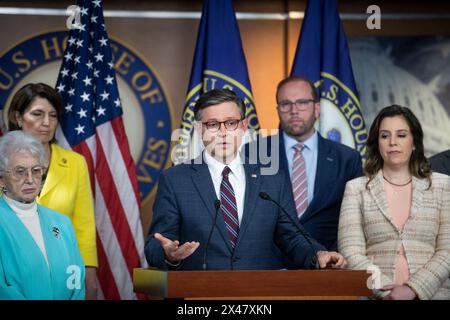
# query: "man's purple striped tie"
x,y
229,207
299,180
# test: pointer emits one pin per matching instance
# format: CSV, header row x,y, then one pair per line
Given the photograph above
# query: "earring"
x,y
3,190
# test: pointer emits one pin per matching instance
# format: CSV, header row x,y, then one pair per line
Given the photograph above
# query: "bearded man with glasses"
x,y
317,168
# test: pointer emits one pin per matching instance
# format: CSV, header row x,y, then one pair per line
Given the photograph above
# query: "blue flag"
x,y
322,57
219,62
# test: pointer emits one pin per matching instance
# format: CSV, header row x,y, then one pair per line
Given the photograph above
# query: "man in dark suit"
x,y
327,165
441,162
248,232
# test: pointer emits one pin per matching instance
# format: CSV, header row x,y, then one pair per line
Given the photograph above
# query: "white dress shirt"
x,y
236,178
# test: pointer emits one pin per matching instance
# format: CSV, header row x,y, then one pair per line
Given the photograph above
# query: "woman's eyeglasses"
x,y
21,173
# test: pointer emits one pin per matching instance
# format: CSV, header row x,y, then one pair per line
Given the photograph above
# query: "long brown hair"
x,y
25,96
419,165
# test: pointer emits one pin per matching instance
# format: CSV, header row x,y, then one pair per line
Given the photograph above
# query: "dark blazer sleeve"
x,y
166,219
357,166
441,162
293,242
354,170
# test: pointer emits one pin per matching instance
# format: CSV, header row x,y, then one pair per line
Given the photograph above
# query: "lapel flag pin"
x,y
55,231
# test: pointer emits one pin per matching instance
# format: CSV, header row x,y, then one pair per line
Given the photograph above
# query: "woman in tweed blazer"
x,y
395,221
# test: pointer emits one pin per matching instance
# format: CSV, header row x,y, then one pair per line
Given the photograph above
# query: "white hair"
x,y
20,142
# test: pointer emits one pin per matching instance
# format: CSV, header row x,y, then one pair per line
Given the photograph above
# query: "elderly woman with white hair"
x,y
39,255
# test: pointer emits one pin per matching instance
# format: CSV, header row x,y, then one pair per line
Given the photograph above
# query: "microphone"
x,y
265,196
217,205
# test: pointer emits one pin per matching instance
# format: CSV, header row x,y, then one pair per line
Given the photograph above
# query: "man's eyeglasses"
x,y
21,173
214,126
286,105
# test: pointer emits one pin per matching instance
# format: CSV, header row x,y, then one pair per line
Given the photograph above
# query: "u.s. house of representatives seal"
x,y
147,113
341,119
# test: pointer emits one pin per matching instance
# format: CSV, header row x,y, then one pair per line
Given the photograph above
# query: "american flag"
x,y
91,124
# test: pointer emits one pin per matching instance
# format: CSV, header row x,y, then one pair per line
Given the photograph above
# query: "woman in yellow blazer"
x,y
395,221
35,109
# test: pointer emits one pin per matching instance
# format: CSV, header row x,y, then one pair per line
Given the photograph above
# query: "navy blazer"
x,y
441,162
336,164
184,210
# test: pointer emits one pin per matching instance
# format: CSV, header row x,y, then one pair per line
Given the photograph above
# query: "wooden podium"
x,y
268,284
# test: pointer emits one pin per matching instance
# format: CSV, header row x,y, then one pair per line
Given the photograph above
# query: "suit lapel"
x,y
325,174
51,236
418,189
55,237
201,178
252,187
59,166
282,154
376,189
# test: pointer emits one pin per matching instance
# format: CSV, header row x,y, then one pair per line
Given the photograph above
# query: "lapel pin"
x,y
254,175
55,231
